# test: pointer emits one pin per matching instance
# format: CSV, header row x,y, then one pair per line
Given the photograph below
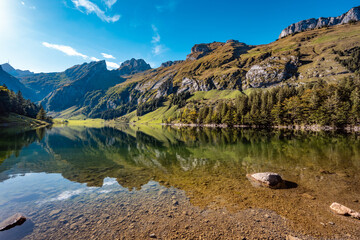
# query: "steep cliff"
x,y
352,15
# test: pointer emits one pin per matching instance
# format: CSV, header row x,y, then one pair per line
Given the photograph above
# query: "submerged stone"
x,y
266,179
343,210
16,219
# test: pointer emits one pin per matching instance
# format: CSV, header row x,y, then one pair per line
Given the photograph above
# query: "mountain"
x,y
133,66
225,70
87,82
352,15
15,72
78,88
14,84
212,72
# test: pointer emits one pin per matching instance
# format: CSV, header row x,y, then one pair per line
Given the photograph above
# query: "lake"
x,y
140,182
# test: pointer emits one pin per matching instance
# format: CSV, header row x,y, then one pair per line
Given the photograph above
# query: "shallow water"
x,y
131,182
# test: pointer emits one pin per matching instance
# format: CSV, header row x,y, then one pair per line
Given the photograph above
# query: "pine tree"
x,y
355,106
41,114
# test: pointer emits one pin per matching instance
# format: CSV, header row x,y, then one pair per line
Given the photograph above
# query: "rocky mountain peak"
x,y
312,23
133,66
79,71
171,63
203,49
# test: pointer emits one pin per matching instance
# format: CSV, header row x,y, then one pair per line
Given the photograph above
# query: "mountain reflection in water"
x,y
208,164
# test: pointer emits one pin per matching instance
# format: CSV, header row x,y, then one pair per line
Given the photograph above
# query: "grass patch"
x,y
216,95
94,123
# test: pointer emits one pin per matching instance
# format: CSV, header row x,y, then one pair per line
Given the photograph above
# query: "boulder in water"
x,y
266,179
12,221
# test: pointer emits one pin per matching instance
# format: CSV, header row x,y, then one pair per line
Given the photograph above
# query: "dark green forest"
x,y
318,103
11,102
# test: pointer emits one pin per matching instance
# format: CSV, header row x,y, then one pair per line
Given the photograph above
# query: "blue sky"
x,y
53,35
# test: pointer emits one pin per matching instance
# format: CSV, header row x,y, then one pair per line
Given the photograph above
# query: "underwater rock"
x,y
16,219
266,179
342,210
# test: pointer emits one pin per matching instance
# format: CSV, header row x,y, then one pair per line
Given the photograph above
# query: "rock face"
x,y
191,85
133,66
352,15
342,210
271,71
12,221
266,179
203,49
170,63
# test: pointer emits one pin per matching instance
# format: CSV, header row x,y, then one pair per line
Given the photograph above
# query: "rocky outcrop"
x,y
271,71
352,15
171,63
342,210
266,179
191,85
133,66
12,221
203,49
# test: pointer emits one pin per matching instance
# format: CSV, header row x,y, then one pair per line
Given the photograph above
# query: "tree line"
x,y
318,103
11,102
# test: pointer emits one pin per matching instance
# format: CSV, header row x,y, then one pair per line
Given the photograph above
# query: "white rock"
x,y
267,179
342,210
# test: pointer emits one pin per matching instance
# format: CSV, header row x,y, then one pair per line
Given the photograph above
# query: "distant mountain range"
x,y
15,72
14,84
227,69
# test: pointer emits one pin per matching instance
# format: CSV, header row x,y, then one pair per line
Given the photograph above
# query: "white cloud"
x,y
110,3
23,3
156,38
65,49
158,48
94,59
112,65
93,8
108,56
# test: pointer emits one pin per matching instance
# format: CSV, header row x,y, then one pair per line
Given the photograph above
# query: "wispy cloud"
x,y
158,48
112,65
108,56
93,8
28,6
65,49
109,3
169,5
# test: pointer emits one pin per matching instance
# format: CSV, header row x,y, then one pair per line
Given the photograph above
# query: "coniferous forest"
x,y
317,103
11,102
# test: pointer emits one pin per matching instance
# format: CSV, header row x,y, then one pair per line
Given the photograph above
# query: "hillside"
x,y
299,59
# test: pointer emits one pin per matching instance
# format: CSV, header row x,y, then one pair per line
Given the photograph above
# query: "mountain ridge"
x,y
352,15
15,72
